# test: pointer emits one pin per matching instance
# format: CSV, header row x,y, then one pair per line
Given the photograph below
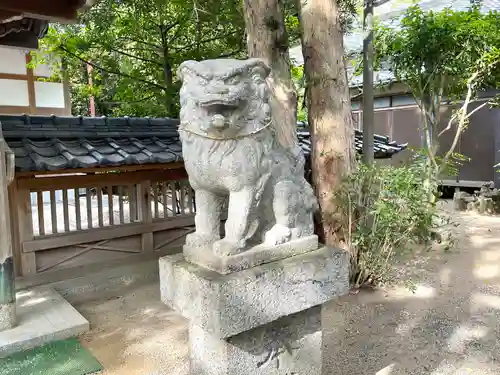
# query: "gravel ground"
x,y
136,334
449,326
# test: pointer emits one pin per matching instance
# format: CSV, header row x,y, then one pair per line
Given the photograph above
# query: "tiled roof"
x,y
51,143
19,31
390,14
384,148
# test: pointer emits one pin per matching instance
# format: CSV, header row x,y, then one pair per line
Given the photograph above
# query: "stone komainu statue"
x,y
230,148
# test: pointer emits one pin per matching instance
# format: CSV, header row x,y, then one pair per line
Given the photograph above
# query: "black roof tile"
x,y
50,143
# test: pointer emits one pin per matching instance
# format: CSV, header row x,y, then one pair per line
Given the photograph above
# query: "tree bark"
x,y
329,109
368,110
267,39
167,72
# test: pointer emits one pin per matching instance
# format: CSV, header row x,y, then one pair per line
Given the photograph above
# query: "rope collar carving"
x,y
239,136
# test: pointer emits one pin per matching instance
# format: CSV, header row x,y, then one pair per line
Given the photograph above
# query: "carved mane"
x,y
194,74
231,148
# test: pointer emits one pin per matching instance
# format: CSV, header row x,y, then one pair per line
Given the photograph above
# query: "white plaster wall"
x,y
42,70
47,70
49,95
12,60
14,93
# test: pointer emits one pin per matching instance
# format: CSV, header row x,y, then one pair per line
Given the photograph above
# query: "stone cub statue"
x,y
231,151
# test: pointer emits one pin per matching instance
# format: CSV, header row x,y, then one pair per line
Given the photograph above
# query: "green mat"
x,y
66,357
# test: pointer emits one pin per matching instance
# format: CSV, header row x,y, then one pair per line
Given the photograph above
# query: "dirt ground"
x,y
136,334
449,326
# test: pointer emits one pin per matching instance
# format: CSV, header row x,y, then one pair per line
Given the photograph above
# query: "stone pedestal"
x,y
290,345
7,295
7,316
259,321
254,256
254,297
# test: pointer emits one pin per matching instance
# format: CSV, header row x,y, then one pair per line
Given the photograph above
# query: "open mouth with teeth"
x,y
219,104
221,110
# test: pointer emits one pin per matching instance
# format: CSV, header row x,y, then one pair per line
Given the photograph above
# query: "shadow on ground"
x,y
449,326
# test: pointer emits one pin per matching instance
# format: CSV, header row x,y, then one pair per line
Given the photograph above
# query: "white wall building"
x,y
24,90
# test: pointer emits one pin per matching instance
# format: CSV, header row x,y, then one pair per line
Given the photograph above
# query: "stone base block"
x,y
42,316
290,345
253,257
7,316
226,305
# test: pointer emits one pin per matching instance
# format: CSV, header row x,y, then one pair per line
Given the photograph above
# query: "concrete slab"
x,y
42,316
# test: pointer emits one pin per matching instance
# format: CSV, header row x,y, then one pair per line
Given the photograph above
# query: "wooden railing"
x,y
60,218
71,210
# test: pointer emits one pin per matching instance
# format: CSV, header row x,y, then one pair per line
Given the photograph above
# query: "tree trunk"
x,y
267,39
168,79
368,110
167,72
329,108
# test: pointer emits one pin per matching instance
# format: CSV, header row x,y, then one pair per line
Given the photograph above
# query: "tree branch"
x,y
133,56
128,101
203,41
439,99
180,23
477,109
110,71
463,117
423,111
448,127
171,26
156,46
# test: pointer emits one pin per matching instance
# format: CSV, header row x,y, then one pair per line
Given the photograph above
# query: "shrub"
x,y
386,209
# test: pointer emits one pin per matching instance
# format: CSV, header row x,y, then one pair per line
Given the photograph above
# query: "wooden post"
x,y
7,287
145,214
24,223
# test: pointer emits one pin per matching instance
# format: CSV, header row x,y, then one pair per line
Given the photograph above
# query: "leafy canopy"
x,y
436,53
443,57
135,47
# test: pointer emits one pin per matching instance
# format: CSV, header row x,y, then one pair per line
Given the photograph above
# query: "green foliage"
x,y
135,47
299,82
387,209
292,21
449,167
435,53
348,12
445,57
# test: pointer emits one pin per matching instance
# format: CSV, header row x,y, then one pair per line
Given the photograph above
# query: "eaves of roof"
x,y
52,143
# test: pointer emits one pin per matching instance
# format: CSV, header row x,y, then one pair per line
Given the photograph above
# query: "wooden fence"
x,y
67,221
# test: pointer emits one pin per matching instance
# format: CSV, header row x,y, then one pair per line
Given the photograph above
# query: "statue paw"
x,y
277,235
200,240
227,248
